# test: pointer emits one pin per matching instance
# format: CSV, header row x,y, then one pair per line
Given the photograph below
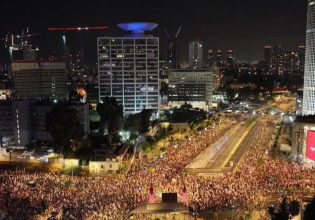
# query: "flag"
x,y
184,196
151,195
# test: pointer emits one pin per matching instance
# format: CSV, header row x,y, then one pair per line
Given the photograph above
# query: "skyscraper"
x,y
278,60
219,58
172,53
301,56
211,58
230,57
268,57
309,73
195,55
128,68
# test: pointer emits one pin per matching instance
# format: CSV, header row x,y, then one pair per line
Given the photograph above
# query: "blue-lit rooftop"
x,y
137,27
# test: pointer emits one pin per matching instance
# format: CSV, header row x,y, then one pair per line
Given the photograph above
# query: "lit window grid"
x,y
309,73
128,67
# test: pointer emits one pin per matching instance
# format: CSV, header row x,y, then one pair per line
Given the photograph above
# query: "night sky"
x,y
244,25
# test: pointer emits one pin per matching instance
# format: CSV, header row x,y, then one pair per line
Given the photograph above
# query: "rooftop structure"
x,y
137,28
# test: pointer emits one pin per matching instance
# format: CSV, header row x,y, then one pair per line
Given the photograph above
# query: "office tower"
x,y
129,68
309,73
195,55
291,63
173,48
163,80
230,57
39,80
268,57
219,57
211,58
301,59
192,86
278,60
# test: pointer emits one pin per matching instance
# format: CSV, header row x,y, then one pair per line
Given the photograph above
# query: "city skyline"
x,y
243,26
166,110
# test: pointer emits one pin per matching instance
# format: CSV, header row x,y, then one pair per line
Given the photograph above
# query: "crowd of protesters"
x,y
258,180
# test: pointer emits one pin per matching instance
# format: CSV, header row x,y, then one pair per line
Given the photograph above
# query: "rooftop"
x,y
137,28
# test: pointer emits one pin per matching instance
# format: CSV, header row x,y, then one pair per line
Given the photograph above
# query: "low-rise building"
x,y
103,163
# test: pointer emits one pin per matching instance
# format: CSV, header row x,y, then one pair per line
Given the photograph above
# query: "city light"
x,y
196,110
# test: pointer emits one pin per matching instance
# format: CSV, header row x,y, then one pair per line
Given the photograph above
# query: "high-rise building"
x,y
301,58
230,57
39,80
216,58
195,55
268,57
278,60
309,73
129,68
219,57
211,58
291,63
172,52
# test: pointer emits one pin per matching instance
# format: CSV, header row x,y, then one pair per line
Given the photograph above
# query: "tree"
x,y
310,210
230,93
133,123
294,208
140,122
63,123
145,116
111,113
282,213
186,106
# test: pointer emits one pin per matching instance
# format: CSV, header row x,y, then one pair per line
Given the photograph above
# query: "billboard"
x,y
310,145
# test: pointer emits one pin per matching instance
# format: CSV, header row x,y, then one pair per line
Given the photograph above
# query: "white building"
x,y
309,74
195,55
101,166
128,68
191,86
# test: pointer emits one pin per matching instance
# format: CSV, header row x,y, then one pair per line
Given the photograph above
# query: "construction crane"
x,y
173,47
15,42
11,39
77,28
64,29
67,29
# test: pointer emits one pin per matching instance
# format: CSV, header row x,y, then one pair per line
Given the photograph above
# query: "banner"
x,y
310,145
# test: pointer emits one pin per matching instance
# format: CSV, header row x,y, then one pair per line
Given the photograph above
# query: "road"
x,y
244,146
209,153
223,155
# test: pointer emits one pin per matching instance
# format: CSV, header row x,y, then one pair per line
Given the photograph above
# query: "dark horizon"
x,y
242,25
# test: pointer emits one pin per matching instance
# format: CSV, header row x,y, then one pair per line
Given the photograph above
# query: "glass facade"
x,y
129,71
309,73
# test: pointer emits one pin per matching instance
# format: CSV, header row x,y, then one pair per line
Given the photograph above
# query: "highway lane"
x,y
226,148
231,147
244,146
